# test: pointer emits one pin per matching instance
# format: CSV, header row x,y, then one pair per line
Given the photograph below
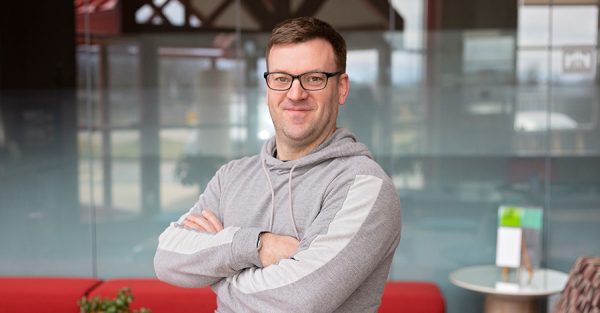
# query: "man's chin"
x,y
297,135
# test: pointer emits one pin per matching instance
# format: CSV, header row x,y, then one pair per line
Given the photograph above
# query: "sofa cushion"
x,y
43,294
160,297
408,297
411,297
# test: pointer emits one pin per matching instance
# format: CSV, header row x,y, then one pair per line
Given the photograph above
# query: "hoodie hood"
x,y
342,143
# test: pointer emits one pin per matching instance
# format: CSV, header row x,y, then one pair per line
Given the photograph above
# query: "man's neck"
x,y
288,151
292,153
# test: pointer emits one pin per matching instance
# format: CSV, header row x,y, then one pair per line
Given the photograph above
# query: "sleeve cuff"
x,y
244,250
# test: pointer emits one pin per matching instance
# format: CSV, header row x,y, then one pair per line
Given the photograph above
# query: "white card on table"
x,y
508,247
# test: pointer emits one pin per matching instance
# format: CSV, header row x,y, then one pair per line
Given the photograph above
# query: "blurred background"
x,y
114,114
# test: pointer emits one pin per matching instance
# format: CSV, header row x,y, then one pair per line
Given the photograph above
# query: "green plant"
x,y
120,304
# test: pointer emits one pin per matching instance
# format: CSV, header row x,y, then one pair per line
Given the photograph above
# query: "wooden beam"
x,y
217,12
260,14
164,4
282,9
266,14
134,5
432,15
309,8
190,10
158,12
128,10
382,8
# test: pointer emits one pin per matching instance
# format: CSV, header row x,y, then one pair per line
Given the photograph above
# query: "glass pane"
x,y
467,107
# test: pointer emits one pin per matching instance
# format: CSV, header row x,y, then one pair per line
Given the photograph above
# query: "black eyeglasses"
x,y
311,81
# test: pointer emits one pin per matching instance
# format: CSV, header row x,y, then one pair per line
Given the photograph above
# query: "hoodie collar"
x,y
341,143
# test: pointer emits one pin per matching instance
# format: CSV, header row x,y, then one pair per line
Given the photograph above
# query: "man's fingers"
x,y
213,219
208,222
276,247
189,224
202,222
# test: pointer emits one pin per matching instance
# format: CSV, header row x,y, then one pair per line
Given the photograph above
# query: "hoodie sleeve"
x,y
352,240
190,258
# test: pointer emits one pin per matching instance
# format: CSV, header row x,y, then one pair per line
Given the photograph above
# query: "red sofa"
x,y
412,297
61,295
161,297
29,294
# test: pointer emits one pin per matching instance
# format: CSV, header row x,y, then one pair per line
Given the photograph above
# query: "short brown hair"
x,y
302,29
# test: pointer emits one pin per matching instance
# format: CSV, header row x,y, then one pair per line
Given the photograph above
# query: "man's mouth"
x,y
299,108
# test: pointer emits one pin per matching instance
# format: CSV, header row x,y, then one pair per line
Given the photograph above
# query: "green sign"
x,y
512,216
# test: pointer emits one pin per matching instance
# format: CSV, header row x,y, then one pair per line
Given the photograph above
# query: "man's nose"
x,y
296,92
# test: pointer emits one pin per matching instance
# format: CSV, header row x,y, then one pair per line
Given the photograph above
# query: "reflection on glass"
x,y
2,138
362,66
90,169
463,120
487,51
181,181
125,172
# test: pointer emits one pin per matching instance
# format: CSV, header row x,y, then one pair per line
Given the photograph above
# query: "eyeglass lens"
x,y
309,81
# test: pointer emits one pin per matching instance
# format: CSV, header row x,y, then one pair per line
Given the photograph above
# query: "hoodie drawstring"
x,y
291,209
272,195
290,206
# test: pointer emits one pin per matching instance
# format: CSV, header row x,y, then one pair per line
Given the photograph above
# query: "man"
x,y
309,225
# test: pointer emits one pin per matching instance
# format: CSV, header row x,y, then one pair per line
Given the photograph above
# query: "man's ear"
x,y
343,88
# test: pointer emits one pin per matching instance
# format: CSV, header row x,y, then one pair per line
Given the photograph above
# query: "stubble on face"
x,y
303,119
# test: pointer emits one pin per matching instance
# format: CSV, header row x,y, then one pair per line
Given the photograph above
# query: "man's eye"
x,y
282,79
315,79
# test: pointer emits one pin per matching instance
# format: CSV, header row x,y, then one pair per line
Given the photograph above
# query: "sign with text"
x,y
518,241
579,60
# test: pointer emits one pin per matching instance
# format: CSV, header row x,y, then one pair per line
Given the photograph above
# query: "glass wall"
x,y
466,110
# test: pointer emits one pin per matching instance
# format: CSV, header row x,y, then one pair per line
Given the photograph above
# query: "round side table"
x,y
515,295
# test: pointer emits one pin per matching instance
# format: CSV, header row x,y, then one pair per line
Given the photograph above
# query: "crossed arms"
x,y
354,236
273,248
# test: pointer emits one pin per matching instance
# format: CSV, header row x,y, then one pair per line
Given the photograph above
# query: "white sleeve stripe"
x,y
180,240
358,204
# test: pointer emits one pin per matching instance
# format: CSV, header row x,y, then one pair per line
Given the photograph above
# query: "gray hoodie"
x,y
336,200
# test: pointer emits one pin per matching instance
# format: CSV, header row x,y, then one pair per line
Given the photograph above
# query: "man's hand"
x,y
276,247
208,222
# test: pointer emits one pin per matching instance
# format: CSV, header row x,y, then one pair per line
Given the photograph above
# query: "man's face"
x,y
302,117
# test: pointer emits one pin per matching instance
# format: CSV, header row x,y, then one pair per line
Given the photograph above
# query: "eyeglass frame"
x,y
328,75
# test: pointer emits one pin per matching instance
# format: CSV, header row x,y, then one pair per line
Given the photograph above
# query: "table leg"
x,y
507,304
